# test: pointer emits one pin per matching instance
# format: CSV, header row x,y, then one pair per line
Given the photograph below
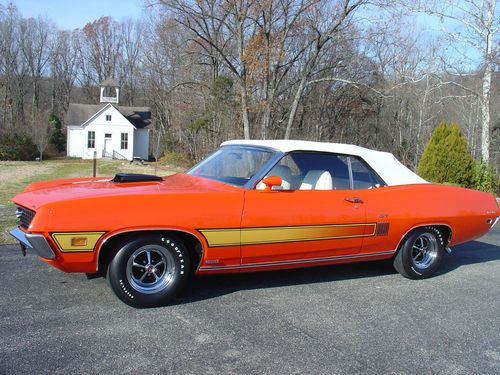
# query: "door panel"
x,y
301,224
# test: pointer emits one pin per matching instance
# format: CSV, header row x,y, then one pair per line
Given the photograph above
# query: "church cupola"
x,y
110,91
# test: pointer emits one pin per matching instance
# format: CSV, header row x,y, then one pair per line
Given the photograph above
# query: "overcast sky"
x,y
69,14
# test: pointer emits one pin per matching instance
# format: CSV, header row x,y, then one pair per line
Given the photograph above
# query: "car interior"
x,y
321,171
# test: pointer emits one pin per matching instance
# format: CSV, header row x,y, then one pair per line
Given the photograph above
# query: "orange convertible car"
x,y
250,206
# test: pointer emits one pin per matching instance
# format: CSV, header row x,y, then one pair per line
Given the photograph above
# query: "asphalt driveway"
x,y
348,319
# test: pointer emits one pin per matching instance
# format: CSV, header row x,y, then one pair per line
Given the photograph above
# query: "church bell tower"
x,y
110,91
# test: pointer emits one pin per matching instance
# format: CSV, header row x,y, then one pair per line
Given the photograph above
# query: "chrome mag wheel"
x,y
150,269
424,250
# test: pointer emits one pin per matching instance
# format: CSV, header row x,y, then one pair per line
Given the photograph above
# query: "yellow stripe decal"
x,y
222,237
254,236
63,240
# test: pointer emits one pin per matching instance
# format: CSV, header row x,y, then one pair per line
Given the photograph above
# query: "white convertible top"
x,y
384,163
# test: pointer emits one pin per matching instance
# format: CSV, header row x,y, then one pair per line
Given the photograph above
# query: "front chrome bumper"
x,y
35,242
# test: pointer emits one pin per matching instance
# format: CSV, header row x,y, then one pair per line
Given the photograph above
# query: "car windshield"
x,y
234,165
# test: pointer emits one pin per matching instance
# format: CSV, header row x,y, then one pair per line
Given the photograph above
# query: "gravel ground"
x,y
349,319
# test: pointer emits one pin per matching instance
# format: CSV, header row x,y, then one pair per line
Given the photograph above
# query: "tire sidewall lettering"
x,y
412,270
117,272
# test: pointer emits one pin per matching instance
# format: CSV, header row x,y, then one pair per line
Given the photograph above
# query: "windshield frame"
x,y
259,175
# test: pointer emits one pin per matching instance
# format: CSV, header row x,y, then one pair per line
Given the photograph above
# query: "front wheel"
x,y
149,271
420,254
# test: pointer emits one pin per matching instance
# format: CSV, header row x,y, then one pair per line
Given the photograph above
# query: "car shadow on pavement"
x,y
206,287
469,253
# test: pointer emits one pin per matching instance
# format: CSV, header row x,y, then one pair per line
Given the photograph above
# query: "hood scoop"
x,y
135,177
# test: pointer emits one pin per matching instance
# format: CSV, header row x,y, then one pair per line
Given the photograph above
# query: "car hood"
x,y
41,193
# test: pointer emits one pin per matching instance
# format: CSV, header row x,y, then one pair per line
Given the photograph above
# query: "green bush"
x,y
446,158
485,179
17,147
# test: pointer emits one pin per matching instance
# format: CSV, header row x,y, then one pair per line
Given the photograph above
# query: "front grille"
x,y
24,217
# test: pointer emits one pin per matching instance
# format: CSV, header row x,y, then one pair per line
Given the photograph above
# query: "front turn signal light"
x,y
79,241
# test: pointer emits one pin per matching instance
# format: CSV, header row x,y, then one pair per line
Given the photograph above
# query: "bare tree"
x,y
222,29
99,46
36,49
40,131
9,18
312,69
13,68
325,23
132,35
478,29
276,49
64,67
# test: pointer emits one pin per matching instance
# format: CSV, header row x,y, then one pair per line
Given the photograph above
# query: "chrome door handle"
x,y
354,200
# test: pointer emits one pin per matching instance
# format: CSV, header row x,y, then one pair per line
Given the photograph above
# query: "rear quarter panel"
x,y
406,207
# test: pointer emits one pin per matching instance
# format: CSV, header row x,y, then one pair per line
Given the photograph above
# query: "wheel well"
x,y
446,232
444,229
112,245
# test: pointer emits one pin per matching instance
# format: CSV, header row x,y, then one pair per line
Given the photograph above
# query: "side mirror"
x,y
272,182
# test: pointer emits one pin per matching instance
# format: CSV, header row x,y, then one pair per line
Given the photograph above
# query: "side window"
x,y
312,171
302,170
288,171
362,176
341,180
233,165
322,171
244,163
124,141
91,139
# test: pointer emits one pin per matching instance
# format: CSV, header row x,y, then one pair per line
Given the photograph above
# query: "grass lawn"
x,y
15,175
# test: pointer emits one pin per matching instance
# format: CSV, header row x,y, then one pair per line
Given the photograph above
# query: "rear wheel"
x,y
149,271
420,254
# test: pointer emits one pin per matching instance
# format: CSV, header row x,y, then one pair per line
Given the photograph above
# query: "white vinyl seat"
x,y
279,170
317,180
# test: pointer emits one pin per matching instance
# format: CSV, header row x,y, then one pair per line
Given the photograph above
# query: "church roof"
x,y
78,114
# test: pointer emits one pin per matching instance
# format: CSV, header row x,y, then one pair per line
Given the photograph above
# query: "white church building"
x,y
107,129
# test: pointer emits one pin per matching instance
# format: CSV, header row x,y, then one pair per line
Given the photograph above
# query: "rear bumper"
x,y
495,222
35,242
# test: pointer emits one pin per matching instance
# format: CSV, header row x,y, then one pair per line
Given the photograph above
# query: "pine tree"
x,y
57,137
446,158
